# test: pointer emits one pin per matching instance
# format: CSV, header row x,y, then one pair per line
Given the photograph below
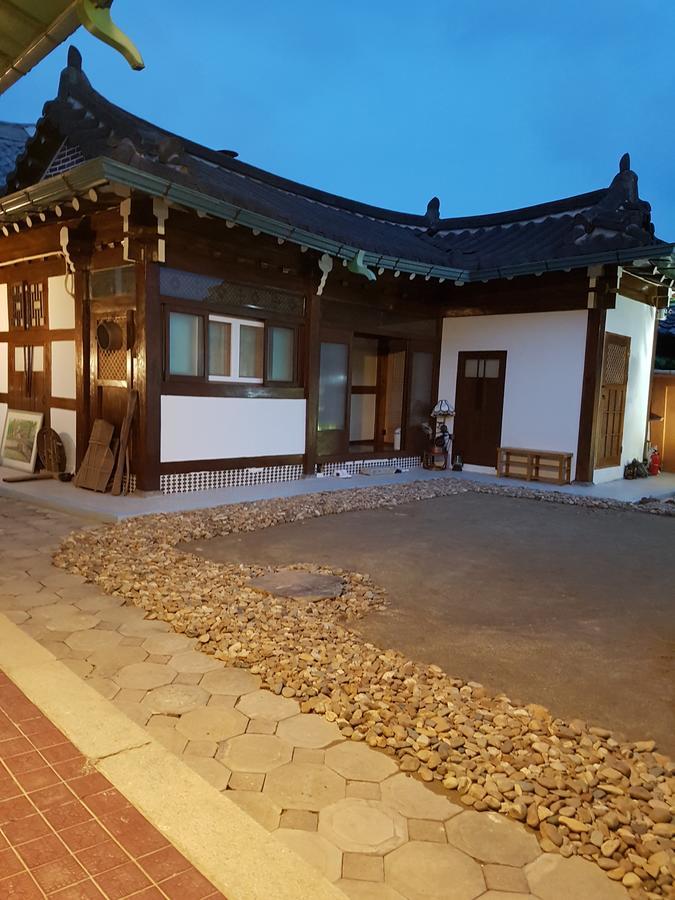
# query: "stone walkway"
x,y
374,831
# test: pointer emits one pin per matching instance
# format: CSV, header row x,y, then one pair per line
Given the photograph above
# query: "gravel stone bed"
x,y
583,790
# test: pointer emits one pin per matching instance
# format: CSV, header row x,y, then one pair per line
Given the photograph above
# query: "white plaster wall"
x,y
64,421
4,367
63,369
229,427
4,308
61,306
637,321
544,372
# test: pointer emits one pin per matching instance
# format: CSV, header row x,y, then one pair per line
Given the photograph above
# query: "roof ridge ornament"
x,y
432,216
620,210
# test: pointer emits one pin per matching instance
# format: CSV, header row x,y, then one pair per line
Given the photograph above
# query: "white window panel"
x,y
235,326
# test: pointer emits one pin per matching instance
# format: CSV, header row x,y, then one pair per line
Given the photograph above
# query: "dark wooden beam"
x,y
590,394
214,465
147,377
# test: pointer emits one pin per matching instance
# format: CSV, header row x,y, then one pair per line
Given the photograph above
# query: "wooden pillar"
x,y
147,377
312,352
590,394
80,245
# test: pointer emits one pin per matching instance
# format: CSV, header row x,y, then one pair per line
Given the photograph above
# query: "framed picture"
x,y
19,439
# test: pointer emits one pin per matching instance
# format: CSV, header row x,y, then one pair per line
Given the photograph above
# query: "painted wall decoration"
x,y
19,440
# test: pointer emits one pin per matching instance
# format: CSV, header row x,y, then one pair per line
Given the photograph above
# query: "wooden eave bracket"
x,y
358,267
95,16
142,241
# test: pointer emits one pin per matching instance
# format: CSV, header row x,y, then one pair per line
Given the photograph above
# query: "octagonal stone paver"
x,y
142,628
167,644
230,682
211,770
298,584
413,800
551,877
32,601
358,762
309,730
255,753
259,806
194,662
107,661
175,699
370,890
212,723
492,838
265,705
77,621
363,826
93,639
144,676
121,615
314,849
429,871
304,786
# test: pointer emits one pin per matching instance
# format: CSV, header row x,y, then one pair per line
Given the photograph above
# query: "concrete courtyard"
x,y
562,605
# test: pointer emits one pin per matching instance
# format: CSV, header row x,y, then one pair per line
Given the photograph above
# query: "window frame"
x,y
235,324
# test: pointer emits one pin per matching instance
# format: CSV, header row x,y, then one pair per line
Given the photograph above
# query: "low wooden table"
x,y
552,466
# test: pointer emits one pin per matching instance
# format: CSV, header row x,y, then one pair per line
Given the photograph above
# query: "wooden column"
x,y
312,351
147,377
80,250
590,394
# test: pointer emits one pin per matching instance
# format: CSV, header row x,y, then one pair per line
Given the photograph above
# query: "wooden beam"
x,y
312,349
147,377
590,394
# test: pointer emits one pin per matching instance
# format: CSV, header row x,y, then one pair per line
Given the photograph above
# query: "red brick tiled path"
x,y
65,832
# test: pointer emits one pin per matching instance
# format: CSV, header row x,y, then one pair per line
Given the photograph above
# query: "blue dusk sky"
x,y
489,104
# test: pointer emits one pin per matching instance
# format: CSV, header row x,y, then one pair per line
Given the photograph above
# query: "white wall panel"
x,y
64,422
61,306
63,369
4,367
637,321
4,308
544,372
230,427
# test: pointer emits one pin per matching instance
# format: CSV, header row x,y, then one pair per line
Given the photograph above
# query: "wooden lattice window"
x,y
612,400
27,303
112,361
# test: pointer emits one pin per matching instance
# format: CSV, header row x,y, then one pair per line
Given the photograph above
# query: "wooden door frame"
x,y
501,355
625,341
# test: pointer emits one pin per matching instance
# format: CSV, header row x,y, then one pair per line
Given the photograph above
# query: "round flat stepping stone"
x,y
194,662
492,838
212,723
254,753
314,849
304,786
363,826
551,877
427,871
167,644
72,622
298,585
230,682
144,676
175,699
309,731
94,639
358,762
266,705
414,801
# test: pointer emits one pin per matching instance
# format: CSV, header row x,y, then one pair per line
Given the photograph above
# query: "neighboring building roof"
x,y
13,138
80,125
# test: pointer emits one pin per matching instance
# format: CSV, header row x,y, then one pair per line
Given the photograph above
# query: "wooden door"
x,y
334,393
612,400
479,404
420,391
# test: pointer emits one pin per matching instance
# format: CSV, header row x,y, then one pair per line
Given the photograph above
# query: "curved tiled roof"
x,y
84,122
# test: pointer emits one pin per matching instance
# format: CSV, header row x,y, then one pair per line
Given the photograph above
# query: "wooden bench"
x,y
534,465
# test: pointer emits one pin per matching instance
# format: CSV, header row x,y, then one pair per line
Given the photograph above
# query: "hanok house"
x,y
273,329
